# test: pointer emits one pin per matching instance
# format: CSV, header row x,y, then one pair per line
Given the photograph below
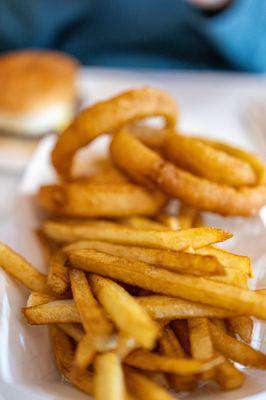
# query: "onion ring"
x,y
108,116
210,162
145,166
83,199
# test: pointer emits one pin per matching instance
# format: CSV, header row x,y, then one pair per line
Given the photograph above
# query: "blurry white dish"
x,y
27,369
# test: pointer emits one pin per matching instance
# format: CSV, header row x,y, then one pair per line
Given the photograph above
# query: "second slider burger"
x,y
37,91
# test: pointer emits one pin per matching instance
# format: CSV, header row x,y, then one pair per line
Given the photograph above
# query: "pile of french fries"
x,y
141,308
140,302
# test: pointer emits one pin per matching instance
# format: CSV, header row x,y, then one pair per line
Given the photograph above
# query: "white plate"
x,y
26,366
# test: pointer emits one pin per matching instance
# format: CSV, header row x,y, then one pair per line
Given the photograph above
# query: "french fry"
x,y
220,323
124,310
60,311
85,352
164,307
180,328
110,232
108,379
193,264
261,291
170,221
201,343
36,299
154,362
97,326
20,269
143,223
187,216
242,301
227,259
158,307
198,221
57,278
75,331
242,326
92,315
64,355
236,350
125,344
170,346
232,277
144,388
228,376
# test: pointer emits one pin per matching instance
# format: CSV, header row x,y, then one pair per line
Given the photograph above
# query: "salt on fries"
x,y
143,301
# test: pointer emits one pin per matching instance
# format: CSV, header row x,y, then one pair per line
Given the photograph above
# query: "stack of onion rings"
x,y
205,174
107,117
149,168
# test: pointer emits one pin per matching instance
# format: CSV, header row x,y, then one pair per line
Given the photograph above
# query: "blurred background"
x,y
190,34
211,55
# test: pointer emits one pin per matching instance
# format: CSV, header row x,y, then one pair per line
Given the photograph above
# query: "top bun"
x,y
32,79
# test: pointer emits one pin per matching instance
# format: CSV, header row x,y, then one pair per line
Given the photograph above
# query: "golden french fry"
x,y
198,221
236,350
97,326
92,315
227,259
143,223
75,331
170,221
154,362
170,346
36,299
201,343
242,326
20,269
124,310
187,216
158,307
198,289
193,264
84,199
64,355
85,352
228,376
200,339
180,328
108,382
164,307
144,388
125,344
111,232
261,291
220,323
60,311
58,278
232,277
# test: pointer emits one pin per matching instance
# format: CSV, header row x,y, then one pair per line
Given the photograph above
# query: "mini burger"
x,y
37,91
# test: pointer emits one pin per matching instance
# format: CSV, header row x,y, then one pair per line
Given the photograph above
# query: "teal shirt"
x,y
140,33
